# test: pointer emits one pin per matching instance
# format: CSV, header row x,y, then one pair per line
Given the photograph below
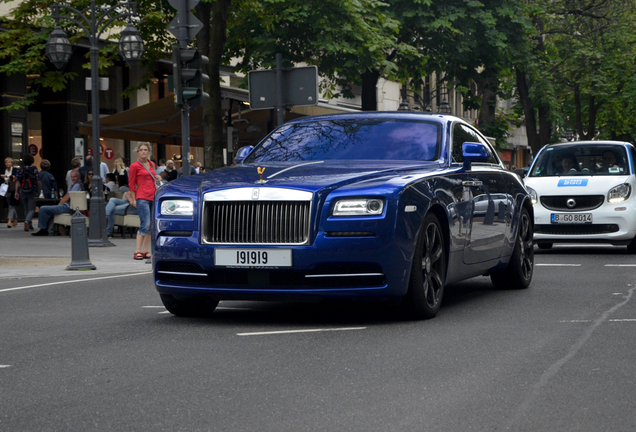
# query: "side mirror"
x,y
474,152
242,153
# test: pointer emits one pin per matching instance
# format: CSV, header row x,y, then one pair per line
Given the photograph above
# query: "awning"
x,y
160,121
156,122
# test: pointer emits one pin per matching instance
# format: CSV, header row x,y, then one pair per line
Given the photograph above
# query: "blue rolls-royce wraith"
x,y
368,205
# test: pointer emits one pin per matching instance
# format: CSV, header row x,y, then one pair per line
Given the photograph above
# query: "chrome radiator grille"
x,y
256,222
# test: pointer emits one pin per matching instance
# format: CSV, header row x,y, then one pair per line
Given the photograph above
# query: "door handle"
x,y
472,183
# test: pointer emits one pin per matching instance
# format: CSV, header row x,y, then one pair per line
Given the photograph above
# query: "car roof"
x,y
397,115
589,143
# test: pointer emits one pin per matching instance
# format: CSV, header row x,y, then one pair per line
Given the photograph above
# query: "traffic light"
x,y
189,77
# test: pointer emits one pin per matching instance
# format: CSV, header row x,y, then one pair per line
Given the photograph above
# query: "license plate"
x,y
253,257
572,218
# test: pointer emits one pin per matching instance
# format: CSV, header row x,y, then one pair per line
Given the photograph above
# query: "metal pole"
x,y
185,108
97,236
280,108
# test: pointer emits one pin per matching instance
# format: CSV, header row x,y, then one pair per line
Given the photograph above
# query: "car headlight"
x,y
619,193
533,195
358,207
177,207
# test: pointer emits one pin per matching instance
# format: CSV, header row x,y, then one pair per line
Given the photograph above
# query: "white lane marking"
x,y
232,308
559,265
164,312
620,265
73,281
4,366
611,320
574,321
299,331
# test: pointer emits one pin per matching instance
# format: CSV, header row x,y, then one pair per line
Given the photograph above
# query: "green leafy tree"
x,y
347,39
27,28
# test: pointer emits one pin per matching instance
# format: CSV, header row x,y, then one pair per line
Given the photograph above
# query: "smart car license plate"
x,y
253,257
572,218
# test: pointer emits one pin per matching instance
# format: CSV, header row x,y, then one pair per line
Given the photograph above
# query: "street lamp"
x,y
444,106
94,21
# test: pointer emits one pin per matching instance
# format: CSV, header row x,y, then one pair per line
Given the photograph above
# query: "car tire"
x,y
518,273
428,272
631,247
544,245
189,306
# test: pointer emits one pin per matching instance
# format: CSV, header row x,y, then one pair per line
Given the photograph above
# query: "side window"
x,y
633,152
462,134
459,138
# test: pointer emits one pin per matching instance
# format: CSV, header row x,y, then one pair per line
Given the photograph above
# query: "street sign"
x,y
300,87
192,26
189,4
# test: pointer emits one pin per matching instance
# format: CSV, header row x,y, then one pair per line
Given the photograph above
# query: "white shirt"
x,y
103,170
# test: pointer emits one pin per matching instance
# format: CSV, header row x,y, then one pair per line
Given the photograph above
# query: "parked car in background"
x,y
366,205
583,192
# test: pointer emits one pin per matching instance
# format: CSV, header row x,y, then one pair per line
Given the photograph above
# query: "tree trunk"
x,y
369,90
488,106
211,40
528,112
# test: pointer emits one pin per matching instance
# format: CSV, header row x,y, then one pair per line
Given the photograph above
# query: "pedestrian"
x,y
47,181
9,178
87,165
116,206
192,171
111,182
28,189
46,214
162,166
103,170
172,173
119,168
87,182
76,163
141,180
122,183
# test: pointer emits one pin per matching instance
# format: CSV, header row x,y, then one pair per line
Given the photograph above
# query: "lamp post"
x,y
94,21
443,107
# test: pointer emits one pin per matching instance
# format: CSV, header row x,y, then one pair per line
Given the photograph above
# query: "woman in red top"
x,y
141,180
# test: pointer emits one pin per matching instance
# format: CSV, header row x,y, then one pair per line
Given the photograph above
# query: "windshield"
x,y
351,139
577,159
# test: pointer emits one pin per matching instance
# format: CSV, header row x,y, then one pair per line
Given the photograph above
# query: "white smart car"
x,y
583,192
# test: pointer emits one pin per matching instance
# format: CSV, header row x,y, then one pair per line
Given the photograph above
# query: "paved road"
x,y
103,355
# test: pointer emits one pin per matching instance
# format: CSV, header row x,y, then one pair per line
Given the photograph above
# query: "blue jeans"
x,y
144,209
28,202
116,206
47,212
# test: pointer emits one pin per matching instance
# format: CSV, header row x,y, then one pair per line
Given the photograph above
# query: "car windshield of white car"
x,y
351,139
581,160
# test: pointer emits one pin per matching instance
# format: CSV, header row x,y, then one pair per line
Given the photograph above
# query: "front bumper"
x,y
331,267
612,223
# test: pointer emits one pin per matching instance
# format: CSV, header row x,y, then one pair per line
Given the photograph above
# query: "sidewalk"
x,y
23,255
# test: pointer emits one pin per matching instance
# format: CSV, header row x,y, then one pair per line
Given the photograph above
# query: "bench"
x,y
78,200
126,222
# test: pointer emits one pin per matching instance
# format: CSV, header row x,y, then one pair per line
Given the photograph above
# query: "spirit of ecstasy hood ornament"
x,y
260,172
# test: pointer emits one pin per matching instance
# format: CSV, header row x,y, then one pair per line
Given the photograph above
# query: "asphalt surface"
x,y
96,351
23,255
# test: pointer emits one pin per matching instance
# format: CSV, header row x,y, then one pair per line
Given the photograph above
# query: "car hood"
x,y
574,185
312,176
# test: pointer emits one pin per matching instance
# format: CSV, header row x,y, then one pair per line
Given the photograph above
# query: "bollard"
x,y
79,244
